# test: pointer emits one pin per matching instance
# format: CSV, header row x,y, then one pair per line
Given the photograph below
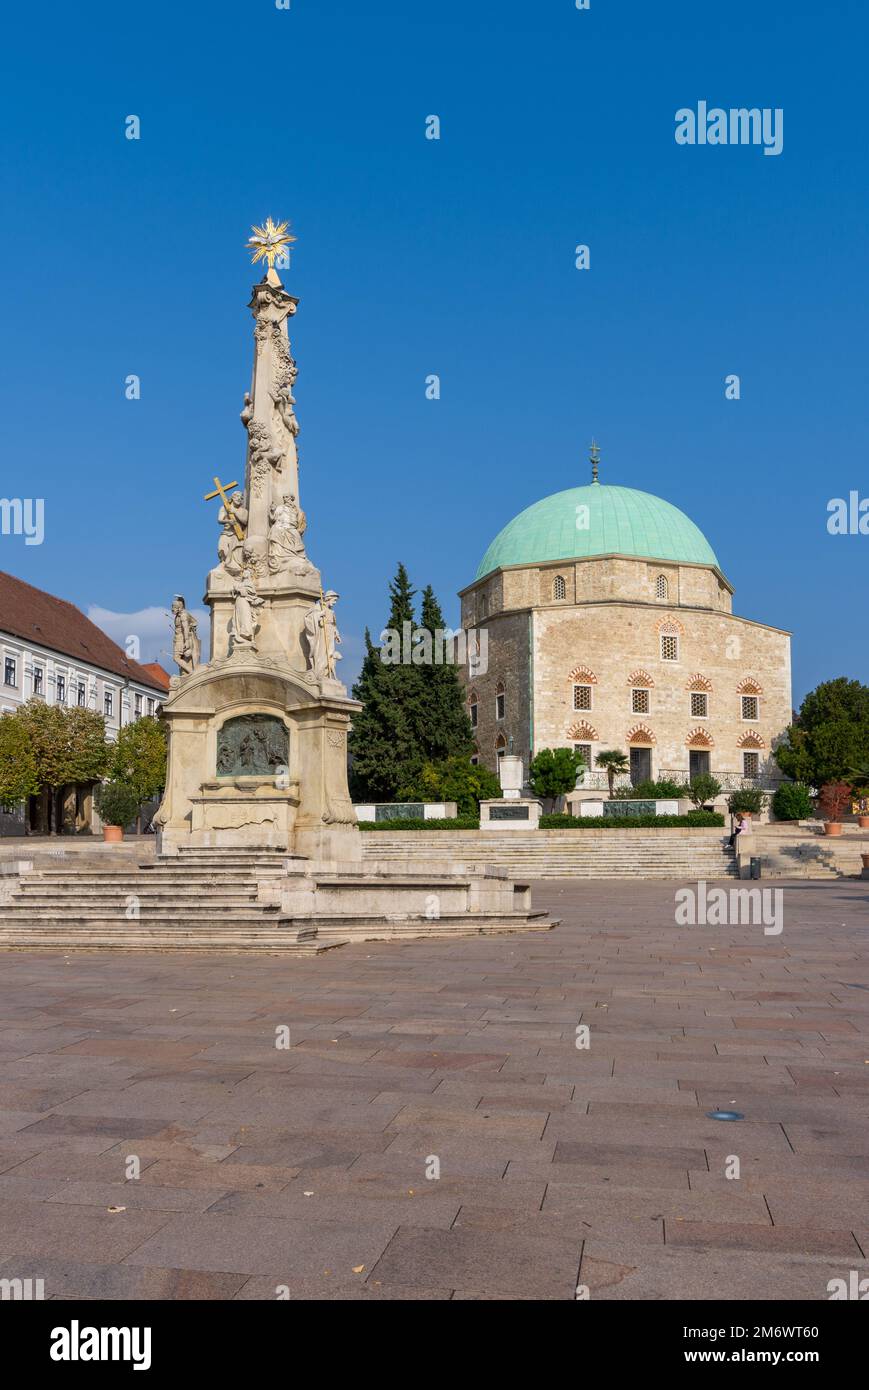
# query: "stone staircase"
x,y
261,900
199,901
667,854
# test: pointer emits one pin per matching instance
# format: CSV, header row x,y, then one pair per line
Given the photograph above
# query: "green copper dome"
x,y
619,520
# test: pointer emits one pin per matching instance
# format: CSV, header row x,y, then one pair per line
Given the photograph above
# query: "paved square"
x,y
261,1167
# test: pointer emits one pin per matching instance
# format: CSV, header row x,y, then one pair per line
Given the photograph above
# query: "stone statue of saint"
x,y
321,635
284,402
186,646
229,547
286,527
244,621
247,411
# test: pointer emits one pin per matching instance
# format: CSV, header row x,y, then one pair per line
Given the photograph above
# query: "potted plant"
x,y
118,805
833,801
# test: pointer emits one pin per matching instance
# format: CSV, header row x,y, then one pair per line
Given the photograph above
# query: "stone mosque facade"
x,y
610,626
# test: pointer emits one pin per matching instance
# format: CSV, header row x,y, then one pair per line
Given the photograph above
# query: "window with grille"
x,y
669,646
582,697
749,706
10,673
82,695
559,588
61,690
584,751
639,701
662,588
150,705
138,705
38,678
750,764
699,704
108,703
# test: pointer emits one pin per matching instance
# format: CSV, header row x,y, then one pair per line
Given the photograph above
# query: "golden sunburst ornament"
x,y
268,241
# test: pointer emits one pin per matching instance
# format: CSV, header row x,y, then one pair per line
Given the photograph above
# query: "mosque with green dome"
x,y
610,624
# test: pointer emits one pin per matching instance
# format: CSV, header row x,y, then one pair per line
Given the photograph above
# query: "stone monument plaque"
x,y
252,745
508,813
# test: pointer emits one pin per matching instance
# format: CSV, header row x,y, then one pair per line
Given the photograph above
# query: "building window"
x,y
61,690
669,646
500,703
138,705
10,671
559,588
639,701
699,704
584,751
749,707
81,695
38,680
662,588
751,764
108,704
582,697
698,763
150,705
473,710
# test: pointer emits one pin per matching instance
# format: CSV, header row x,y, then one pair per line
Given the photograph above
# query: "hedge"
x,y
561,822
453,823
691,818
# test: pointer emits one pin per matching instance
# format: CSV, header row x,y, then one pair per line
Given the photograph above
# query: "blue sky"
x,y
453,257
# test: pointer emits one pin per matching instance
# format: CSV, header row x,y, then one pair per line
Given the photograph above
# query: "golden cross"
x,y
221,490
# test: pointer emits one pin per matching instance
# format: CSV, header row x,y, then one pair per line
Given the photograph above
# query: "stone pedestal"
x,y
290,731
514,814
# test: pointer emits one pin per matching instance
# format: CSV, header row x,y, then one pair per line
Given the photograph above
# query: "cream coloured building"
x,y
610,625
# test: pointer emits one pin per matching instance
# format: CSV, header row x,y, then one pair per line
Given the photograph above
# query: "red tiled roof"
x,y
34,616
161,676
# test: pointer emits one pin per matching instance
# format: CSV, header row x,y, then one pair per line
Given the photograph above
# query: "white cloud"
x,y
153,629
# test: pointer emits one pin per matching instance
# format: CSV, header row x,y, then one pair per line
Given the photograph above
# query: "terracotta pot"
x,y
113,833
863,822
832,827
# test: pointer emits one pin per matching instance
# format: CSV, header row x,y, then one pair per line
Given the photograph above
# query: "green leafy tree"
x,y
412,709
614,762
792,802
453,779
69,745
138,759
553,771
830,735
18,772
703,788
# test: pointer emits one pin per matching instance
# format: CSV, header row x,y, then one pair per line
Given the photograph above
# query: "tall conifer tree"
x,y
413,710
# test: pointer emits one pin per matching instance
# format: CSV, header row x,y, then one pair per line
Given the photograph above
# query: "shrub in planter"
x,y
750,801
833,802
792,802
703,788
117,804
